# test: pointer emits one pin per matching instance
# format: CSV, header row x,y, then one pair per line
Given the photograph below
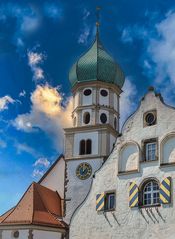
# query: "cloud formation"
x,y
22,147
87,30
40,167
47,114
53,10
5,101
42,162
35,60
158,52
127,102
37,173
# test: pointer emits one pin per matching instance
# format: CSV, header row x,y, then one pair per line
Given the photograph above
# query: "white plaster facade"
x,y
100,99
54,180
139,222
31,233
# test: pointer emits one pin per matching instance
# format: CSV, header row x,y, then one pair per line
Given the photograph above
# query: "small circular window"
x,y
150,119
86,118
104,93
16,234
87,92
103,118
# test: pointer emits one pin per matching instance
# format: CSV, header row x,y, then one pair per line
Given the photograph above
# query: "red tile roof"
x,y
38,206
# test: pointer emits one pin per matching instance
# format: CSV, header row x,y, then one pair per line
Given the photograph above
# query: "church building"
x,y
110,183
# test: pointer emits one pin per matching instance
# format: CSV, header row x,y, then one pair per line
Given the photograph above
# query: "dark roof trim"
x,y
50,169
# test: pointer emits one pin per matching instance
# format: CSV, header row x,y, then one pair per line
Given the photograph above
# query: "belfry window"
x,y
88,146
82,147
103,118
85,146
86,118
150,193
115,123
87,92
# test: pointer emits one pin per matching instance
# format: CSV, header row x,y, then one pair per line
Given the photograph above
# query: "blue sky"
x,y
39,41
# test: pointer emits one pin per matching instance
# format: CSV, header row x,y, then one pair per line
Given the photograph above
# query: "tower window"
x,y
88,146
75,121
82,147
103,118
104,93
150,193
115,123
85,146
86,118
87,92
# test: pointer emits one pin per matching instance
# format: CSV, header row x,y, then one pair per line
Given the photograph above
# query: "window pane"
x,y
110,201
151,193
151,151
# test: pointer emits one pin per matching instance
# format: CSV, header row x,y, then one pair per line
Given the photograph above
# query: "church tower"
x,y
96,82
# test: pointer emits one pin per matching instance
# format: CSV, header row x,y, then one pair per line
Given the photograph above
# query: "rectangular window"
x,y
151,151
109,201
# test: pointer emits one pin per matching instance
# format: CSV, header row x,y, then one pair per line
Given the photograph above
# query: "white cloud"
x,y
35,60
161,49
53,11
46,114
129,34
22,147
42,162
37,173
5,101
87,30
22,93
127,102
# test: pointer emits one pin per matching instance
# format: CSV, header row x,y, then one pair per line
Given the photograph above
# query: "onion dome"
x,y
96,65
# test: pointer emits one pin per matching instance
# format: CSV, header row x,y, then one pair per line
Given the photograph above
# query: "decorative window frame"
x,y
143,146
154,112
106,193
120,172
162,142
141,188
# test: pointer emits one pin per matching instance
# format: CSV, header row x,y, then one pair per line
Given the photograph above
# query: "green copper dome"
x,y
96,65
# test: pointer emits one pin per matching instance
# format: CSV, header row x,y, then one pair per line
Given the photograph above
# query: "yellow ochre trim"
x,y
165,190
98,200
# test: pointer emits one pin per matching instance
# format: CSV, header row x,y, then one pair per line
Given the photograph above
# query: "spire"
x,y
97,21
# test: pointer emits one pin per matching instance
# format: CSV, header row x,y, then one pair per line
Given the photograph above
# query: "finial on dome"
x,y
98,9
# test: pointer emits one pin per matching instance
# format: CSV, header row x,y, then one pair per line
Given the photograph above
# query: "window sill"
x,y
149,206
167,164
109,210
128,172
149,161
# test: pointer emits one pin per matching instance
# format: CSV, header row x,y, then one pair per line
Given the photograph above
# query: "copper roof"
x,y
38,206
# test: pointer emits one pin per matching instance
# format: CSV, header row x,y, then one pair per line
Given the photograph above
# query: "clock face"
x,y
84,171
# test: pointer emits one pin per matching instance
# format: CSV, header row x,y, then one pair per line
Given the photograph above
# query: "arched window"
x,y
85,146
88,146
86,118
82,147
150,193
75,121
